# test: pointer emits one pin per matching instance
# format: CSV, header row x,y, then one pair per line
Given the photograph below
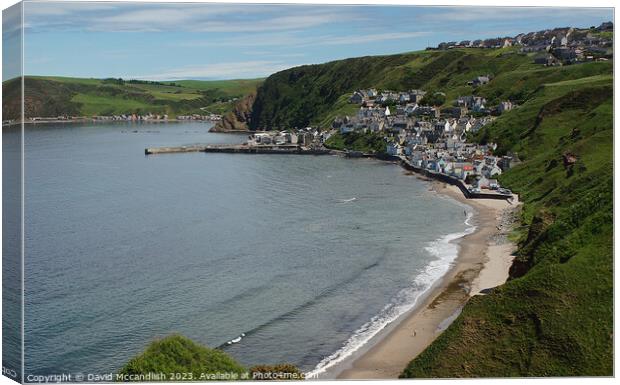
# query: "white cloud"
x,y
162,18
234,70
133,17
300,40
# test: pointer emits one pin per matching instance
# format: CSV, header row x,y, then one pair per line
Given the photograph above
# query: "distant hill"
x,y
54,96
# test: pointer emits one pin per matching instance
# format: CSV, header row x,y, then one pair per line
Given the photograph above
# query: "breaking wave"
x,y
445,250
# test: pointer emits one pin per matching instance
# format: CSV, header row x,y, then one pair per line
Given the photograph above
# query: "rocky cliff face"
x,y
239,118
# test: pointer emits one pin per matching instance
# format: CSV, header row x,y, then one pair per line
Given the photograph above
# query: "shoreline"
x,y
91,120
483,260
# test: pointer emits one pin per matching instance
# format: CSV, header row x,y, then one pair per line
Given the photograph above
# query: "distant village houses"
x,y
559,46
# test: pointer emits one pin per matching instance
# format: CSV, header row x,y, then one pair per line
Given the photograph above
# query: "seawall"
x,y
453,181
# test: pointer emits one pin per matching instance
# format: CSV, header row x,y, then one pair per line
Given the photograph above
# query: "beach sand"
x,y
483,262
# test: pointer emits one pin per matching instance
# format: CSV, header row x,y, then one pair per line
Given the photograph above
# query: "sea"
x,y
299,259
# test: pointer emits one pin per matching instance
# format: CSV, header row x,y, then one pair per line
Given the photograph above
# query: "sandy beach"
x,y
483,262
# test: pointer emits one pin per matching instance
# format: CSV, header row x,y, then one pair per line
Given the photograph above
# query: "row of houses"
x,y
375,117
474,164
557,46
540,40
131,117
371,96
306,137
210,117
150,117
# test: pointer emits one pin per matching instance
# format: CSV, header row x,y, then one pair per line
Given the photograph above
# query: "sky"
x,y
159,41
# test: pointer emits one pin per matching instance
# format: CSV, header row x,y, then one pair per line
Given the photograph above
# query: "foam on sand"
x,y
446,251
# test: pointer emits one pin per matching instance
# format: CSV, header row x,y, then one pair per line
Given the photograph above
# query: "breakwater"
x,y
238,148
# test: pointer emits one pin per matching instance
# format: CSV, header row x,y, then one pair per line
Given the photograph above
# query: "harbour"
x,y
248,148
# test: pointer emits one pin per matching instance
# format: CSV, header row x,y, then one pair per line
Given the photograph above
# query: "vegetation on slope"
x,y
316,94
55,96
554,317
356,141
177,358
177,354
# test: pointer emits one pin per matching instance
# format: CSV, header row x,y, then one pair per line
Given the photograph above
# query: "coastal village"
x,y
424,137
433,139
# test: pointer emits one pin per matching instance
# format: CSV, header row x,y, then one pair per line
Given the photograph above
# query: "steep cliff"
x,y
239,118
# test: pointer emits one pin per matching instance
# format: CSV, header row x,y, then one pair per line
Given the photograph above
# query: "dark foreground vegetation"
x,y
177,358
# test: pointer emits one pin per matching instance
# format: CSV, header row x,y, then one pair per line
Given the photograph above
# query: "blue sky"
x,y
223,41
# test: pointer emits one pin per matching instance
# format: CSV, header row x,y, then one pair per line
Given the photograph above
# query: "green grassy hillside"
x,y
315,94
555,316
177,358
53,96
355,141
177,354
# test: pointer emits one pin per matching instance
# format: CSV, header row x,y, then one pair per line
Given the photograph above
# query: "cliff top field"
x,y
50,96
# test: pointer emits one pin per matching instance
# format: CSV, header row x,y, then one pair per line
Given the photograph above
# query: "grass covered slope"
x,y
178,354
313,94
555,316
177,358
356,141
54,96
316,94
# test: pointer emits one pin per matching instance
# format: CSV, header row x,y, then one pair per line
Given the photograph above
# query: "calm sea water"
x,y
308,256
